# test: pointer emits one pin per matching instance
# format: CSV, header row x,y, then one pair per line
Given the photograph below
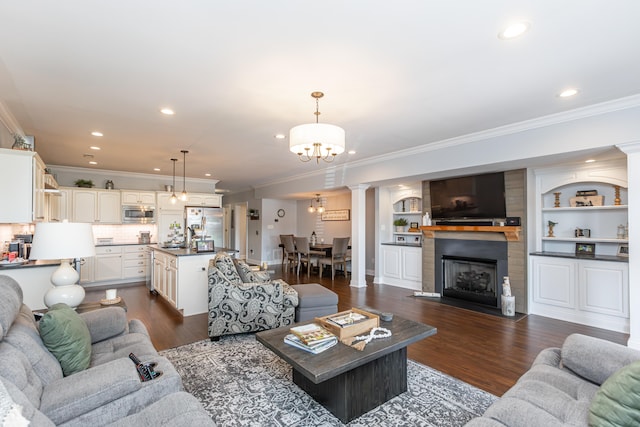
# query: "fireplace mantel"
x,y
511,233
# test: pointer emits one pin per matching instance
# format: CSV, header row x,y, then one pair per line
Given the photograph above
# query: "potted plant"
x,y
84,183
400,223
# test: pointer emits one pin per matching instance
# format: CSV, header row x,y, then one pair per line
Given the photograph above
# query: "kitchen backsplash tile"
x,y
125,233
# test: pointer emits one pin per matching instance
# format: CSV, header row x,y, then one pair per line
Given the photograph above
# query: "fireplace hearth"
x,y
471,270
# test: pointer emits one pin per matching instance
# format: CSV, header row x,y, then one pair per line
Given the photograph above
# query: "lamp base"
x,y
72,295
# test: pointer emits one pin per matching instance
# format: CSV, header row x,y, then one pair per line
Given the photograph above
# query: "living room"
x,y
477,128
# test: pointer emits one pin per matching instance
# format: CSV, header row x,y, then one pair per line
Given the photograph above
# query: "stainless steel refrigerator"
x,y
206,223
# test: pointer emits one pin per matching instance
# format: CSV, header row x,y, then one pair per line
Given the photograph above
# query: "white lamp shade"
x,y
62,240
305,136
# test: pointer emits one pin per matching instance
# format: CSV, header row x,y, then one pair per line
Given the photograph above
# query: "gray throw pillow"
x,y
67,337
617,402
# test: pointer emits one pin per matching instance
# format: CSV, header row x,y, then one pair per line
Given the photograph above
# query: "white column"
x,y
632,150
358,234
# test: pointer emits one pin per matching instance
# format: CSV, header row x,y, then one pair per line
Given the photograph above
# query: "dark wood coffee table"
x,y
346,381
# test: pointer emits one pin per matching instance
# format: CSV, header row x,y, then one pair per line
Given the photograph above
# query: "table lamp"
x,y
65,241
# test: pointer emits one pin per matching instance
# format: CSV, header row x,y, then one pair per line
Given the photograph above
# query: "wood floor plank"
x,y
487,351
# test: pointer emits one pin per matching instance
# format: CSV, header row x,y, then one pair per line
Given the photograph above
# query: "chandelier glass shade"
x,y
318,207
317,140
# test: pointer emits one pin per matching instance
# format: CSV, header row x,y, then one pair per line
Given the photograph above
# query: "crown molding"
x,y
121,174
9,121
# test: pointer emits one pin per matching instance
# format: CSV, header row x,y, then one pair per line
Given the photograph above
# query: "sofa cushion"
x,y
617,402
248,275
225,264
10,411
10,302
595,359
66,336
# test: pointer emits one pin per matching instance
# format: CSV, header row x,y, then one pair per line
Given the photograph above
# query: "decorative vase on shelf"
x,y
551,224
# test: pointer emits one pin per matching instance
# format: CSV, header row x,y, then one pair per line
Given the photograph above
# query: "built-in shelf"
x,y
511,233
586,208
585,239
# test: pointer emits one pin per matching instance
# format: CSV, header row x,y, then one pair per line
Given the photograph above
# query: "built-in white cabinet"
x,y
575,271
96,206
401,266
21,186
147,198
108,263
410,210
203,199
165,277
589,292
59,205
136,262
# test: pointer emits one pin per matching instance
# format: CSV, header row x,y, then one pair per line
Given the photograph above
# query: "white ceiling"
x,y
395,75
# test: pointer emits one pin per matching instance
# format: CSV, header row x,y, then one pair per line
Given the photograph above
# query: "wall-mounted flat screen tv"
x,y
475,196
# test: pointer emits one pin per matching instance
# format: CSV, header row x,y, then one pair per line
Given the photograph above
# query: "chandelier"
x,y
318,208
316,140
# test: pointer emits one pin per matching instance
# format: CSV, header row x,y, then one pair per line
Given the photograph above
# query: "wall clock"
x,y
281,213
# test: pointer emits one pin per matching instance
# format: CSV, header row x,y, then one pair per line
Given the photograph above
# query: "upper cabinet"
x,y
96,206
204,199
147,198
21,186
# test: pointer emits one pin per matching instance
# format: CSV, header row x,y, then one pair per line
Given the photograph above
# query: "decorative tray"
x,y
110,301
14,263
350,323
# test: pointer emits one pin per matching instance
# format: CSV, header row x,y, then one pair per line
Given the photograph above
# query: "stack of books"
x,y
312,338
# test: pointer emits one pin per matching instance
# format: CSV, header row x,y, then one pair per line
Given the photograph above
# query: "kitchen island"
x,y
180,276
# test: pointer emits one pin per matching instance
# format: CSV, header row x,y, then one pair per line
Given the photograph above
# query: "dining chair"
x,y
290,256
339,256
305,255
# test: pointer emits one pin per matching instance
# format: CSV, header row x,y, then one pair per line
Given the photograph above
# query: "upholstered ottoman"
x,y
314,300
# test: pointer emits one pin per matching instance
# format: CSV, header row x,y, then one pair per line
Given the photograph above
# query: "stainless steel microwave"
x,y
138,214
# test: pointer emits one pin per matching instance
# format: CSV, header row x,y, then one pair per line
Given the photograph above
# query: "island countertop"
x,y
190,252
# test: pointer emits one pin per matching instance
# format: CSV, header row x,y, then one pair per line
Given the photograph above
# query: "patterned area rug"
x,y
242,383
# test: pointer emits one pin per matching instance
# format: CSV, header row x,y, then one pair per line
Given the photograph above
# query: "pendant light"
x,y
174,198
184,196
318,208
316,140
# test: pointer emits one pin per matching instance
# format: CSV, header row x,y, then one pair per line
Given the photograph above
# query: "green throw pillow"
x,y
67,337
617,402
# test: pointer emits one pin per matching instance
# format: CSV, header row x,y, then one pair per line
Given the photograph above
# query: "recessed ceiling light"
x,y
167,111
96,133
568,92
207,174
590,160
351,151
280,136
156,169
93,163
93,147
513,30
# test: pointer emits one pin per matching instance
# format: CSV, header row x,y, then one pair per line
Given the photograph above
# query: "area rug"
x,y
242,383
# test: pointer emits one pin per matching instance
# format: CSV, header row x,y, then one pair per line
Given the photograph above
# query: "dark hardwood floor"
x,y
487,351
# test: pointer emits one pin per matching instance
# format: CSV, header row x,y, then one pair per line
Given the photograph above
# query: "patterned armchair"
x,y
242,300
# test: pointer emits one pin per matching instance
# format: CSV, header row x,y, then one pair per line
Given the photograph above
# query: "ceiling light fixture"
x,y
156,169
514,30
167,111
173,197
96,133
93,147
184,196
568,93
280,136
318,208
316,140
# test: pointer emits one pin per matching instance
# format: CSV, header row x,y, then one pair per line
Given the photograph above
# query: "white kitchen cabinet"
x,y
204,199
165,277
96,206
58,205
182,281
164,202
21,186
136,262
586,291
147,198
87,270
108,263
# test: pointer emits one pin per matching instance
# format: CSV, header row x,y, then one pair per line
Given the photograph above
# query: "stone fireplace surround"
x,y
515,196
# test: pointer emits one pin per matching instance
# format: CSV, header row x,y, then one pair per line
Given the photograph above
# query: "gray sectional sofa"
x,y
108,392
588,381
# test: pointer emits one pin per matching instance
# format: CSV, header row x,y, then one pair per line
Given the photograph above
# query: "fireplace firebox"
x,y
471,270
